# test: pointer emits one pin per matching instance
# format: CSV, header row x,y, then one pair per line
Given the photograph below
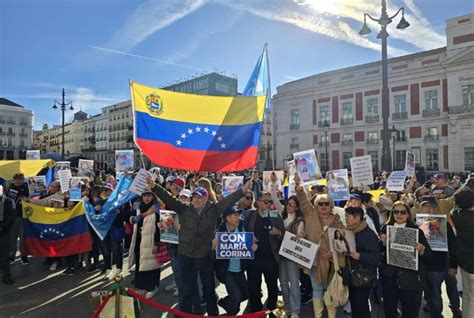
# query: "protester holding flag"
x,y
7,219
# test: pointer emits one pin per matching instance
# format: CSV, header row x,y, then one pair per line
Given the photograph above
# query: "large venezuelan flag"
x,y
54,232
197,132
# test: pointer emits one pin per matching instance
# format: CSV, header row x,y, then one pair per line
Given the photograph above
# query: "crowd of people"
x,y
202,208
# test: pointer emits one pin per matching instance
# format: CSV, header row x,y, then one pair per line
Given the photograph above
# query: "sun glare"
x,y
323,6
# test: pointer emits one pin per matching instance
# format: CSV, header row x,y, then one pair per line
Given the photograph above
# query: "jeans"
x,y
409,299
290,285
433,291
189,271
237,292
267,267
359,298
318,288
15,232
467,294
176,266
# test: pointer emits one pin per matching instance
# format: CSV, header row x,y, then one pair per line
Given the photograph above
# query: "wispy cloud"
x,y
291,77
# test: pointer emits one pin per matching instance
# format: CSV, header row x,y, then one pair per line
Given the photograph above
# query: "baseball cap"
x,y
170,179
200,192
186,193
231,211
428,200
354,197
439,175
179,182
107,186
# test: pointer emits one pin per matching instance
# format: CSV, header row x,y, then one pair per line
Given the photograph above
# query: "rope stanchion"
x,y
178,313
101,306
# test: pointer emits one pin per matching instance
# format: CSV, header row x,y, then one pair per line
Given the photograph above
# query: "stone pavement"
x,y
39,293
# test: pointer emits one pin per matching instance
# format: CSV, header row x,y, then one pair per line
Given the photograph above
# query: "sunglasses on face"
x,y
401,212
266,201
323,203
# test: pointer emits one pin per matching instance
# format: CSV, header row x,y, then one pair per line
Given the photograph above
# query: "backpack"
x,y
337,294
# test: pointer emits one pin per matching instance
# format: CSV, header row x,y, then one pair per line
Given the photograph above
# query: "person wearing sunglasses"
x,y
401,284
318,218
268,229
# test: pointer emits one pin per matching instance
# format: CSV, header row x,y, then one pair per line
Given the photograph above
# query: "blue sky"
x,y
93,47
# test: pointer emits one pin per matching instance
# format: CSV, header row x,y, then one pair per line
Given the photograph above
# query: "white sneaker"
x,y
295,316
170,288
175,294
107,273
112,273
54,266
152,293
132,268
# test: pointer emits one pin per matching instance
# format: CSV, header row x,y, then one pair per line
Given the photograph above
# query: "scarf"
x,y
358,227
145,206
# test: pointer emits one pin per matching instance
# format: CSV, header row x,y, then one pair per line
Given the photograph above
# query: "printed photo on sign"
x,y
86,168
416,154
300,251
37,186
410,164
341,241
361,170
307,166
61,165
291,178
434,226
231,184
267,179
401,247
396,181
123,160
169,227
64,176
75,194
234,245
32,155
337,183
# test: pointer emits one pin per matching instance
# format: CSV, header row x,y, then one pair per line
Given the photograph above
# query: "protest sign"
x,y
77,182
231,184
234,245
64,176
139,184
169,227
85,168
307,166
396,181
341,241
32,155
416,154
338,184
37,185
401,247
75,194
123,160
300,251
434,226
60,165
291,178
267,179
410,164
361,168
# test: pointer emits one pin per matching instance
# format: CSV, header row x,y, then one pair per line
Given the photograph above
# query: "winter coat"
x,y
148,240
464,224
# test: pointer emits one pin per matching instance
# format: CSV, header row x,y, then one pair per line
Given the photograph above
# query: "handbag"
x,y
337,293
359,277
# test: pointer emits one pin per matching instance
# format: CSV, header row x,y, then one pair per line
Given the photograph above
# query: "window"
x,y
324,139
347,138
374,157
372,105
400,102
324,113
295,119
432,159
347,111
433,132
468,95
431,99
10,130
346,163
399,163
324,166
373,136
400,135
294,144
469,158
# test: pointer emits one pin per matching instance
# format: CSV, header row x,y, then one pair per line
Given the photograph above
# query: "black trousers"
x,y
4,253
409,299
359,298
237,292
267,267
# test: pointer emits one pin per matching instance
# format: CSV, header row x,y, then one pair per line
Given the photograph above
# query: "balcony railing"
x,y
401,139
372,119
23,123
399,116
324,123
10,134
431,137
372,141
347,121
461,109
347,142
431,112
23,135
294,126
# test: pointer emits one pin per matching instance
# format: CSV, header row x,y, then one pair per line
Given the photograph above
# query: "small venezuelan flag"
x,y
197,132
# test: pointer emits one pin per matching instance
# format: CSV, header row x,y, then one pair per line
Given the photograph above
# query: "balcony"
x,y
399,116
431,112
324,143
347,142
23,135
372,141
372,119
431,137
294,126
324,123
347,121
11,134
400,140
23,123
461,109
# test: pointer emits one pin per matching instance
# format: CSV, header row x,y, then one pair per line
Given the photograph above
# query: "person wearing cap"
x,y
7,219
231,272
176,186
356,202
463,218
198,222
440,267
440,184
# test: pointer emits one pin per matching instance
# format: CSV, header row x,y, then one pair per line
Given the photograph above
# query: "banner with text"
x,y
401,247
361,168
300,251
234,245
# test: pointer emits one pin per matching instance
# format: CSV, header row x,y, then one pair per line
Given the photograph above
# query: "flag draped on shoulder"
x,y
197,132
53,232
103,220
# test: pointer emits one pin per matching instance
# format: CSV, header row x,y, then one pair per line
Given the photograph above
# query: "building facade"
x,y
209,84
16,130
338,113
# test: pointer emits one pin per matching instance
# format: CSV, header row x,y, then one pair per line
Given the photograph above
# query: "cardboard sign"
x,y
64,178
123,160
307,166
86,168
300,251
231,184
32,155
338,184
396,181
169,227
139,184
37,185
234,245
361,168
60,165
401,247
434,226
410,164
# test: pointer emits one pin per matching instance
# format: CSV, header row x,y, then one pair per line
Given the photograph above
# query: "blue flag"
x,y
49,176
102,222
259,81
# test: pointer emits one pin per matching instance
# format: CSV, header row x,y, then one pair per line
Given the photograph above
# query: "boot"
x,y
318,307
331,312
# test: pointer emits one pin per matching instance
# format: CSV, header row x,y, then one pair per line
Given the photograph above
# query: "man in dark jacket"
x,y
268,229
7,218
198,223
18,190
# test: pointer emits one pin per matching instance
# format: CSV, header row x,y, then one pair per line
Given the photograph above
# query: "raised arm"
x,y
171,202
230,200
276,201
306,206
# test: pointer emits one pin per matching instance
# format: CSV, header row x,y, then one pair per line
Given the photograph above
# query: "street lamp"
x,y
326,155
63,105
385,20
393,130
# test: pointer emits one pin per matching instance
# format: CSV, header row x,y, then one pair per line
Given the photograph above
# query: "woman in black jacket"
x,y
367,257
401,284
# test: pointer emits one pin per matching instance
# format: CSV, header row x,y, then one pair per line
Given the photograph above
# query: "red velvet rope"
x,y
101,306
180,313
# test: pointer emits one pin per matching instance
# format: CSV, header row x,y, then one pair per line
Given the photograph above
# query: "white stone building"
x,y
431,109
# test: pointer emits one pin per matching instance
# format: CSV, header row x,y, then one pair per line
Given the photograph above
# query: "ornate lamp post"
x,y
62,105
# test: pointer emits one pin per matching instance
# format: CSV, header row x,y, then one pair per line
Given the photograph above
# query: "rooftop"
x,y
7,102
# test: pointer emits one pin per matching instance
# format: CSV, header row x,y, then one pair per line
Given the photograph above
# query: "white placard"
x,y
86,168
64,178
230,184
61,165
291,177
32,155
396,181
300,251
307,166
139,184
410,164
123,160
361,168
267,179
